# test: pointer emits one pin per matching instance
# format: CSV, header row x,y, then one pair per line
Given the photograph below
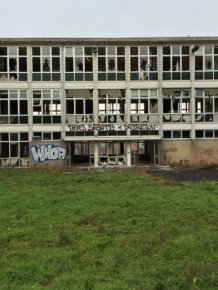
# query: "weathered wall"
x,y
47,155
189,152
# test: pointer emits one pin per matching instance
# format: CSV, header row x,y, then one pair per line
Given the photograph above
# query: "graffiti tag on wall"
x,y
112,127
47,152
208,153
169,150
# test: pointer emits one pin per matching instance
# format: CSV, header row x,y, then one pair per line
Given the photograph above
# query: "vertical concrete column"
x,y
96,154
128,153
128,92
192,100
95,83
128,108
30,92
95,102
63,102
160,92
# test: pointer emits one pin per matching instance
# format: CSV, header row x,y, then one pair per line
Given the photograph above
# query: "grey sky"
x,y
111,18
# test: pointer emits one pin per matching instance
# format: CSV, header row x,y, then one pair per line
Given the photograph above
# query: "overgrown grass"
x,y
111,230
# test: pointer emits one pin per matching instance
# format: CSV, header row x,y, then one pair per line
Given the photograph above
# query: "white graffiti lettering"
x,y
42,153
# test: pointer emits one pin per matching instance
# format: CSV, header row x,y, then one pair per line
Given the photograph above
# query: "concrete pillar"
x,y
30,93
192,100
63,94
128,153
96,154
160,93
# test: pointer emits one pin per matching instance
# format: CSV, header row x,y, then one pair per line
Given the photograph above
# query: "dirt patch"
x,y
186,174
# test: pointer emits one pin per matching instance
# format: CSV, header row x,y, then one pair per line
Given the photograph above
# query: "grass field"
x,y
111,230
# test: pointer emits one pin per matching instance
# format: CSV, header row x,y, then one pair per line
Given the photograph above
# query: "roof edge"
x,y
110,40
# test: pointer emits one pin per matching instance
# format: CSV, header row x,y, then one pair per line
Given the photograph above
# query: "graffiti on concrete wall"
x,y
208,153
47,152
169,150
113,127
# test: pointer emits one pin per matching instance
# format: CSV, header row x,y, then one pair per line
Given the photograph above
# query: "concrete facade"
x,y
108,102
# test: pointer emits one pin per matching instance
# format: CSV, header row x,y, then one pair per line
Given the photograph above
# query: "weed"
x,y
86,220
63,239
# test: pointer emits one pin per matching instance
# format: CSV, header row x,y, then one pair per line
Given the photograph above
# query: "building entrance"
x,y
80,154
144,152
112,153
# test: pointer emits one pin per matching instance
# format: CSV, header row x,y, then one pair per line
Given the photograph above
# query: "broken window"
x,y
176,105
176,62
111,106
112,153
46,63
13,107
144,106
46,106
14,149
143,63
13,63
206,105
79,106
206,62
111,63
78,63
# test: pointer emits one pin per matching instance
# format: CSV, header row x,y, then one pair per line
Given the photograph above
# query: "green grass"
x,y
111,230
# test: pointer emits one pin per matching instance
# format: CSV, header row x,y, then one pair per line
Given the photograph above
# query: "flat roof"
x,y
110,41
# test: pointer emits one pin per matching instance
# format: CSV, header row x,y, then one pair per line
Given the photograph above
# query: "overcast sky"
x,y
108,18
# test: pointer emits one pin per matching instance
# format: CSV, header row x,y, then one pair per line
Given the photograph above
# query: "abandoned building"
x,y
108,102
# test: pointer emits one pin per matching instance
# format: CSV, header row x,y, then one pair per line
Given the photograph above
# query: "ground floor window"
x,y
112,153
200,134
176,134
14,150
43,136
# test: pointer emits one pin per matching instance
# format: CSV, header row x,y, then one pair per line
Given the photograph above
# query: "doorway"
x,y
144,152
80,154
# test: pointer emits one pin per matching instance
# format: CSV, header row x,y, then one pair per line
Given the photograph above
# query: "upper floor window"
x,y
13,107
111,63
78,63
46,106
111,106
46,63
13,63
144,106
176,105
206,105
176,62
206,62
79,106
143,63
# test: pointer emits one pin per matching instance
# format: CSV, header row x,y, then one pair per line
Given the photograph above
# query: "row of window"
x,y
112,106
184,134
14,147
111,63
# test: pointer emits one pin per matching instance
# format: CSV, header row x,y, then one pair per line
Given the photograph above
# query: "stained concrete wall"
x,y
47,155
198,153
